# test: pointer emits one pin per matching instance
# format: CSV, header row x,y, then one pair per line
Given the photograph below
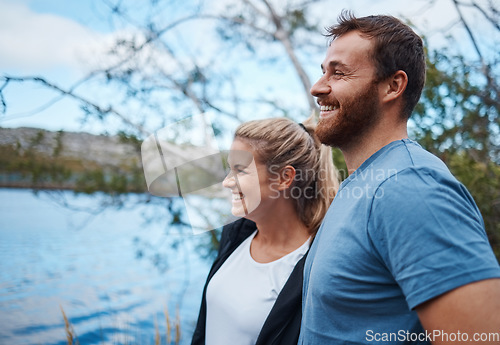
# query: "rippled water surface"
x,y
53,257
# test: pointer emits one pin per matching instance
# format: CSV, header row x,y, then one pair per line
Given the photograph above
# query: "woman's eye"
x,y
237,170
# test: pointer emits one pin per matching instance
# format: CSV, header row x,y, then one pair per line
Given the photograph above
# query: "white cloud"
x,y
33,41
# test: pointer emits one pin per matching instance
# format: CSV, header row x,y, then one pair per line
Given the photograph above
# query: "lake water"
x,y
54,257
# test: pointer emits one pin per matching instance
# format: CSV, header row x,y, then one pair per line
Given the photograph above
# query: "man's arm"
x,y
472,309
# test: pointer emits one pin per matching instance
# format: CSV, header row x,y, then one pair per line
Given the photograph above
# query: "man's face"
x,y
347,92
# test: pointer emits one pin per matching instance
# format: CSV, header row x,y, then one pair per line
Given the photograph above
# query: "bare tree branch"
x,y
304,78
238,20
256,9
483,12
71,94
484,66
469,32
2,97
284,37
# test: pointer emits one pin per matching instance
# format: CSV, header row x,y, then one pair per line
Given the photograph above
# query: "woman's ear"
x,y
287,175
394,86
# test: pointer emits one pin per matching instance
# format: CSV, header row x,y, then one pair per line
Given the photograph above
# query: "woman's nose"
x,y
228,181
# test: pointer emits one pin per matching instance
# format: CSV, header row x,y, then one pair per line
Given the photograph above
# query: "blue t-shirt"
x,y
400,231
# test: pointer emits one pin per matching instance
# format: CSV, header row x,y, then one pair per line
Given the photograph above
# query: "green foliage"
x,y
59,145
132,139
110,180
40,166
339,162
457,112
458,119
21,166
483,181
297,19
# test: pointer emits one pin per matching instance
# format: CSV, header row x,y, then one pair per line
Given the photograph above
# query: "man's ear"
x,y
394,86
286,178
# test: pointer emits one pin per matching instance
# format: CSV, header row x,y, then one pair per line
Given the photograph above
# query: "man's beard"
x,y
354,118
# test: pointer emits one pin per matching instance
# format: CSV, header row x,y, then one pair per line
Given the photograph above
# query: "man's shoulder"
x,y
407,159
408,153
417,179
403,161
421,184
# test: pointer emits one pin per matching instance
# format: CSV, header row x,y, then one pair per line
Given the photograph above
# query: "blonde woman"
x,y
253,291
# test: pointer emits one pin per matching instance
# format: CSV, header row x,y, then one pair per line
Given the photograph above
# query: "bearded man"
x,y
402,256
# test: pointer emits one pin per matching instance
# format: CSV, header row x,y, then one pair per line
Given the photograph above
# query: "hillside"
x,y
37,158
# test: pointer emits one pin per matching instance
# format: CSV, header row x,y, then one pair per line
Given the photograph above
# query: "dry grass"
x,y
169,326
72,338
177,327
70,332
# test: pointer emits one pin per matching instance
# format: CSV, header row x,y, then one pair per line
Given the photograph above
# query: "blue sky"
x,y
60,40
44,38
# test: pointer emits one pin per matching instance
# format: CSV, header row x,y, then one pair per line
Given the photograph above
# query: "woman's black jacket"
x,y
282,325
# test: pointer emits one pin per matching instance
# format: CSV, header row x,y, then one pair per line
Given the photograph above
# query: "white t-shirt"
x,y
242,293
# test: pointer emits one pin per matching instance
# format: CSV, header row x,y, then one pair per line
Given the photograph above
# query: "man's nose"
x,y
320,88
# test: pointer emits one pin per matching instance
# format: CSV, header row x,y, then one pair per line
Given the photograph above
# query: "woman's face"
x,y
249,181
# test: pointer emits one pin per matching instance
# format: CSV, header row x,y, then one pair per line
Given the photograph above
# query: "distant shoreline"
x,y
27,186
33,158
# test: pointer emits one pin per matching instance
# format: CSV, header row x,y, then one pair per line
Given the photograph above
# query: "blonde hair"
x,y
279,142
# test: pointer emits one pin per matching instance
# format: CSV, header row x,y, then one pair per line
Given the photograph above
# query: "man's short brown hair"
x,y
396,47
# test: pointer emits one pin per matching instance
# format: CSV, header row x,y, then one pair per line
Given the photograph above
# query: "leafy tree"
x,y
458,117
161,69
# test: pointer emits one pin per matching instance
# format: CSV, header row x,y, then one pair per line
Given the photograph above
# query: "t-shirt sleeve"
x,y
430,234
